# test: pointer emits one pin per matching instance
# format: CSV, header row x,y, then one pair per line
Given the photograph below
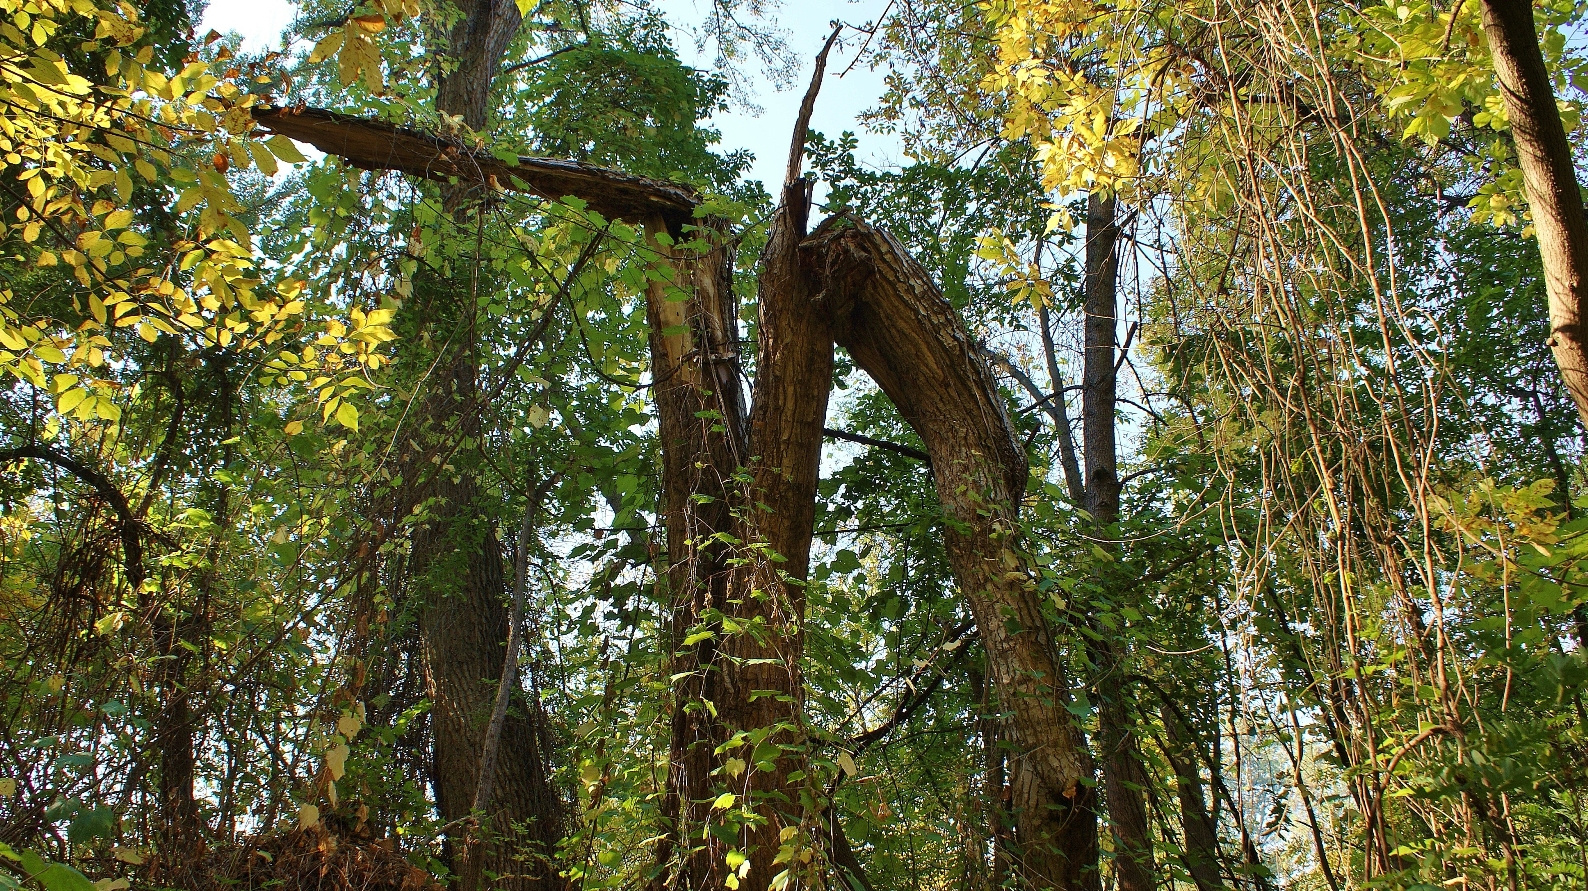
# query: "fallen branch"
x,y
377,145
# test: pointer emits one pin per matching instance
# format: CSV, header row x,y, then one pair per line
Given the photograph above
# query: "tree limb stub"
x,y
377,145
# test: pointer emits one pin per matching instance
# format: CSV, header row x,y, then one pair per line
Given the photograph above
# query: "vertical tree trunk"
x,y
1196,825
1550,178
701,425
1124,780
455,566
746,695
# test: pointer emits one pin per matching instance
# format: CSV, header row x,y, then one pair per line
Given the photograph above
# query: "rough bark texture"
x,y
900,329
456,571
1550,178
858,285
471,55
455,562
1196,824
1124,780
748,669
702,427
377,145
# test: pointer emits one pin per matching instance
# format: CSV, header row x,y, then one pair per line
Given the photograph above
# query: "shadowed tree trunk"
x,y
455,564
1196,824
1124,780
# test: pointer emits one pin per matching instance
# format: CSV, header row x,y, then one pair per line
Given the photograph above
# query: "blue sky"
x,y
764,131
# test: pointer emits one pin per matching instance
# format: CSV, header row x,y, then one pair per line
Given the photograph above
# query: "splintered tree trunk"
x,y
900,329
794,369
738,501
738,609
701,425
1124,780
1549,175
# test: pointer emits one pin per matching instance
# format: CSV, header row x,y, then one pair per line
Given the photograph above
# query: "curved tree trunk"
x,y
900,329
1550,177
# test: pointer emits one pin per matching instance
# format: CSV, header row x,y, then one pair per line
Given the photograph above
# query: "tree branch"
x,y
377,145
904,450
126,520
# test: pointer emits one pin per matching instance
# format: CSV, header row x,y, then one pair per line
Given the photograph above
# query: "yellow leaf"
x,y
262,158
374,23
8,787
326,48
724,801
293,428
71,399
349,725
336,761
347,415
847,763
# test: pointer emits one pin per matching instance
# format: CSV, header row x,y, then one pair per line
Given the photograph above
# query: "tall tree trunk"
x,y
184,639
1550,178
455,565
861,285
701,425
456,568
1124,780
743,691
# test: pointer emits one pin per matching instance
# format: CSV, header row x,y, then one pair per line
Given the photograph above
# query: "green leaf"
x,y
54,876
347,415
97,823
285,149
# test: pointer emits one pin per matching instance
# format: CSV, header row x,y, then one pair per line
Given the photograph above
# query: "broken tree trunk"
x,y
900,329
736,569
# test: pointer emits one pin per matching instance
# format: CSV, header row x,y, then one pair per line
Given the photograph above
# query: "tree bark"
x,y
455,564
472,54
899,328
1124,780
1549,176
857,285
1196,824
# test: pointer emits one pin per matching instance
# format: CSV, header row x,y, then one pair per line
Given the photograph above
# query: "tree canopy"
x,y
428,460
